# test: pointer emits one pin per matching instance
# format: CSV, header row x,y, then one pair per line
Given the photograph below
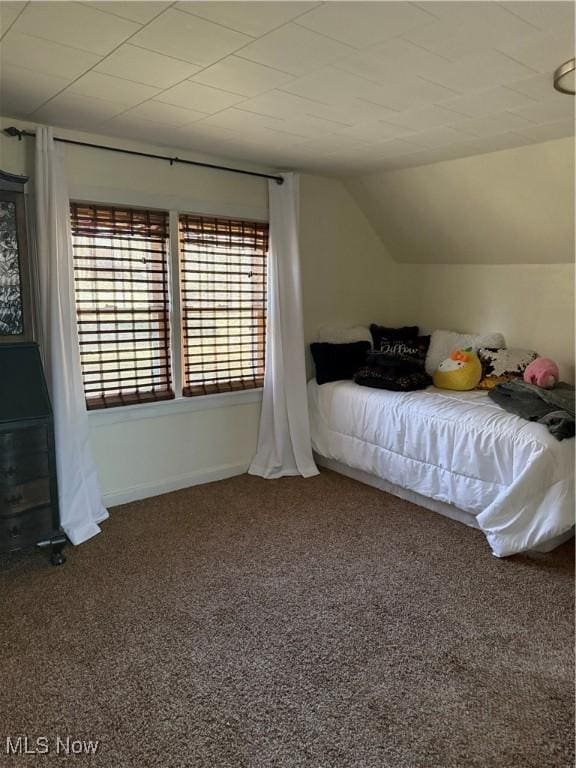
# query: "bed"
x,y
457,453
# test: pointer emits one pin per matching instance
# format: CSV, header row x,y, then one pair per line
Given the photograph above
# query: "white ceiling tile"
x,y
456,11
539,87
297,97
200,97
289,106
149,131
361,24
335,142
45,56
170,136
426,118
550,131
494,143
394,58
548,16
334,86
487,101
294,49
239,120
413,93
550,111
476,27
99,86
9,12
309,126
21,91
392,148
75,111
544,54
148,67
490,125
482,70
165,114
439,137
188,37
242,76
140,12
201,130
344,110
374,131
74,24
251,18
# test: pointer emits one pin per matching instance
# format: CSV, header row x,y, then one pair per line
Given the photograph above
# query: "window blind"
x,y
223,301
122,299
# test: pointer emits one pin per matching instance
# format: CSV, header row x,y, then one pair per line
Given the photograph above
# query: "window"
x,y
223,302
125,292
122,299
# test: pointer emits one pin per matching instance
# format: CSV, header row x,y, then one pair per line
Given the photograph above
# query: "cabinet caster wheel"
x,y
57,558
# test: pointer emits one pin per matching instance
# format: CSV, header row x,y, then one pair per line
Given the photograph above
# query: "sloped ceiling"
x,y
334,87
510,207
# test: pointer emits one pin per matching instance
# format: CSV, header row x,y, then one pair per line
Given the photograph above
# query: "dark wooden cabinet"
x,y
28,486
16,315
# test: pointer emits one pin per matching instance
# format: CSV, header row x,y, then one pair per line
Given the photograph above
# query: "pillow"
x,y
443,343
411,352
500,365
335,362
461,371
387,378
380,332
342,334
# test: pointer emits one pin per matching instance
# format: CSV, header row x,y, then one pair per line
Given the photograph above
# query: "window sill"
x,y
180,405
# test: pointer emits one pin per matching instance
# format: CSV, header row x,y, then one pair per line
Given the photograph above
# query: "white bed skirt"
x,y
448,510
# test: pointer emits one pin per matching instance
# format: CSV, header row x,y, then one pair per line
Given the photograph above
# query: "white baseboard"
x,y
145,490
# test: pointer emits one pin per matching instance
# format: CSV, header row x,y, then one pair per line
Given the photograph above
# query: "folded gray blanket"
x,y
554,408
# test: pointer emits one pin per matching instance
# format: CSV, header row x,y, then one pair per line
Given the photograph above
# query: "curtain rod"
x,y
13,131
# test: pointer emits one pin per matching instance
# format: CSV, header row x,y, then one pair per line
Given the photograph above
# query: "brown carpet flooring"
x,y
317,623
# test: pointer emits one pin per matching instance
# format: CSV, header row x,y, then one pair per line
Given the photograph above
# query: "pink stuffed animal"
x,y
543,372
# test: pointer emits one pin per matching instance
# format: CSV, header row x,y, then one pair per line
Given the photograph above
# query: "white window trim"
x,y
174,207
181,405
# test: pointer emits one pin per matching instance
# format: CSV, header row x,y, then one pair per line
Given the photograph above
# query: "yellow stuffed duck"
x,y
461,371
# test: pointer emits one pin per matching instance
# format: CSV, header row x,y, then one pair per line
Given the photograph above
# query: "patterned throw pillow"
x,y
500,365
392,379
380,333
409,354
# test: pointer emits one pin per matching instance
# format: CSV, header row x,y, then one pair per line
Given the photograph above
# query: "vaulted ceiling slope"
x,y
333,87
515,206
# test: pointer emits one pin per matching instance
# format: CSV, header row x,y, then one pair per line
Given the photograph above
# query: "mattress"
x,y
458,448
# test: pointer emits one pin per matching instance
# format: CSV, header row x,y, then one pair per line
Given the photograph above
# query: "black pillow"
x,y
389,378
380,332
335,362
410,352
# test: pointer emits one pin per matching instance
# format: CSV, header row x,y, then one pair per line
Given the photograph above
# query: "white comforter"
x,y
455,447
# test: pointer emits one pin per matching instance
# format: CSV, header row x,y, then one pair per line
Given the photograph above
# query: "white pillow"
x,y
343,334
442,343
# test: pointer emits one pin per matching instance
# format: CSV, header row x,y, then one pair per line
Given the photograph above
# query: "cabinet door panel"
x,y
26,529
18,442
15,470
19,498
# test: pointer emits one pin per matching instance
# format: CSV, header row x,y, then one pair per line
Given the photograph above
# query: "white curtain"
x,y
284,446
81,507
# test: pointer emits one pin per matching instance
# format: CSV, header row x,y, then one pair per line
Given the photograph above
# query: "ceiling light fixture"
x,y
564,77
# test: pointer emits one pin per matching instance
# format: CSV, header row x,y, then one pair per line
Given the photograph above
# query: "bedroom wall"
x,y
484,243
348,276
157,448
